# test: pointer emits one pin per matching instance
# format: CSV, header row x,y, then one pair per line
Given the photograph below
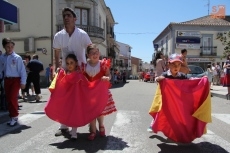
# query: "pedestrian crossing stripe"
x,y
223,117
126,127
22,120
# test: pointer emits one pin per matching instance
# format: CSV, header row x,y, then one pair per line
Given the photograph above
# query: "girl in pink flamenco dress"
x,y
96,69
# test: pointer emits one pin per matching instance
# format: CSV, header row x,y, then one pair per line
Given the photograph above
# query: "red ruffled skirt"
x,y
75,101
110,106
226,81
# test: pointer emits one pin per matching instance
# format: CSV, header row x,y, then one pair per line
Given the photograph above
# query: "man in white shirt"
x,y
69,40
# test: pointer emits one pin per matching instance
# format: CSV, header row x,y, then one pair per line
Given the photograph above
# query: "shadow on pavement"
x,y
41,112
202,147
169,146
119,85
99,143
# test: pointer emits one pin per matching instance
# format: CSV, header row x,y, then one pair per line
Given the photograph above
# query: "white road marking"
x,y
23,120
223,117
43,139
126,135
213,139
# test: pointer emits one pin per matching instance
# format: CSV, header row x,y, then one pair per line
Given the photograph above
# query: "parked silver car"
x,y
196,71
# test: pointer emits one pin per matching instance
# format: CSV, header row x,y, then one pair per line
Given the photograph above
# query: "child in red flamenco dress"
x,y
71,101
96,69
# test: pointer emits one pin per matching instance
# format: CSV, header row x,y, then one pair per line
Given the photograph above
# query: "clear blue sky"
x,y
140,21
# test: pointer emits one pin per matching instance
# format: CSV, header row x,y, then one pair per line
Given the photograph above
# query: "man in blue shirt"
x,y
35,67
14,78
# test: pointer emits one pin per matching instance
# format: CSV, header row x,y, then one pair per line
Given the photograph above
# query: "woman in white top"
x,y
209,74
159,63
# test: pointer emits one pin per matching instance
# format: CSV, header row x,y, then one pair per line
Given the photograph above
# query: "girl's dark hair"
x,y
72,56
158,56
208,65
90,47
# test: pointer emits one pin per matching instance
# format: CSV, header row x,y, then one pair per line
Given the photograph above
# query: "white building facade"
x,y
198,36
38,21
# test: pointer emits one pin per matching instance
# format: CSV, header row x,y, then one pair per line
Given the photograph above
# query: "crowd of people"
x,y
119,77
80,92
17,74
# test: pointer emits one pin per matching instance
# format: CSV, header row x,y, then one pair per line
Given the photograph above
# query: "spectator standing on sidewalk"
x,y
184,66
160,67
159,64
70,40
48,71
151,76
209,73
35,67
14,78
214,73
27,59
226,82
124,76
218,70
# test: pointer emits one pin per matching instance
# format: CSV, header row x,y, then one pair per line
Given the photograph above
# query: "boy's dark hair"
x,y
72,56
70,10
183,50
35,56
208,65
6,41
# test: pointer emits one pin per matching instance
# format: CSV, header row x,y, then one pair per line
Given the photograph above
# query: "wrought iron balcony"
x,y
95,33
208,50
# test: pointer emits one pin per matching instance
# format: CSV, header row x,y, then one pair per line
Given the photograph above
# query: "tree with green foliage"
x,y
225,39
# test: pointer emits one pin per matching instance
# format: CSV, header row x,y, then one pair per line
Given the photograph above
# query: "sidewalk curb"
x,y
3,114
218,95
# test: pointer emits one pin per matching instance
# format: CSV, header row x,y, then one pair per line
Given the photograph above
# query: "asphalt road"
x,y
126,129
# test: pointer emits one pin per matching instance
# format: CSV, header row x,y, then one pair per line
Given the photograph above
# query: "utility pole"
x,y
208,6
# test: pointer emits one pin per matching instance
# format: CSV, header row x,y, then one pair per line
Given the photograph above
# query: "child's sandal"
x,y
92,136
102,131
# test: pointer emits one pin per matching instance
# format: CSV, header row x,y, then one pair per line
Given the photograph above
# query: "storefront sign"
x,y
188,40
8,12
188,46
189,33
156,46
200,60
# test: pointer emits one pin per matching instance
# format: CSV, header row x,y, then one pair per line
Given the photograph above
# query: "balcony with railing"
x,y
208,50
96,34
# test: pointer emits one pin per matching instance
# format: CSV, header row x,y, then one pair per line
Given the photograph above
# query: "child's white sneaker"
x,y
73,134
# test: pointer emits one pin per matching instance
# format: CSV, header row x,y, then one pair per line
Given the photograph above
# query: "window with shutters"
x,y
82,16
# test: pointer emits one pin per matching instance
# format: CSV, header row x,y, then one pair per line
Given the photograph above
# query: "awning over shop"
x,y
8,12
